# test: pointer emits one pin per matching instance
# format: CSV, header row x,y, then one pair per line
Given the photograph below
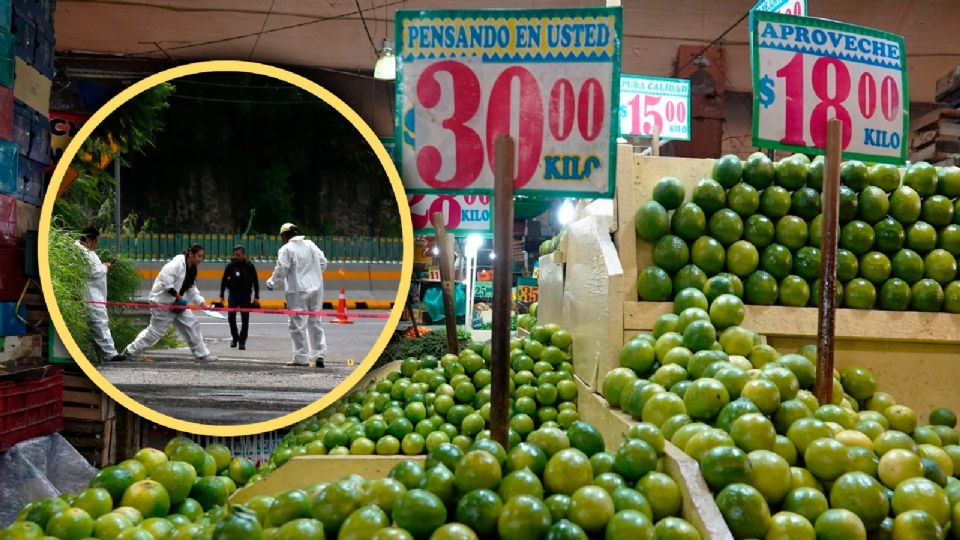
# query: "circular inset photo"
x,y
226,248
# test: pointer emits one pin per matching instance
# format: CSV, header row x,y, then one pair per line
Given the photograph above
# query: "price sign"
x,y
483,289
542,76
528,290
649,104
787,7
463,214
390,144
807,71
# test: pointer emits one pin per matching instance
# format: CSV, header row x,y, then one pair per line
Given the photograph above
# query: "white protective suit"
x,y
300,265
96,291
171,277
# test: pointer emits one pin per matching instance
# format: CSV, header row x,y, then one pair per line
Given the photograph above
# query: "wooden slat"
x,y
89,398
922,138
78,381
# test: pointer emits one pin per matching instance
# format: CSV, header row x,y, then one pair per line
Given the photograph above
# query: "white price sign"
x,y
651,105
463,214
787,7
808,71
542,76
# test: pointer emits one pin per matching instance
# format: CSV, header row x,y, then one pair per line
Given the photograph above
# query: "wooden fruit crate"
x,y
95,440
935,136
83,400
911,354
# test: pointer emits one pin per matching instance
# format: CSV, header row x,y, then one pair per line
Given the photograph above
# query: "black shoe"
x,y
319,362
243,347
117,358
233,344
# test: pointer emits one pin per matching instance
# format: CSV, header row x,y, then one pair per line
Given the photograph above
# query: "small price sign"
x,y
463,214
787,7
655,104
528,290
483,289
542,76
807,71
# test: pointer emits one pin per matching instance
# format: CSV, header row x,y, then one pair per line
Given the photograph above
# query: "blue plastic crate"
x,y
9,167
8,44
30,181
43,54
6,14
26,35
26,9
22,126
10,324
40,139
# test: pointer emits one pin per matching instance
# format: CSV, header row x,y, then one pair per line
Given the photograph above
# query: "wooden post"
x,y
503,168
828,264
655,143
447,282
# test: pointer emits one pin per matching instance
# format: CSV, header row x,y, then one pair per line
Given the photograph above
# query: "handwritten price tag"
x,y
528,290
787,7
463,214
807,71
649,104
541,76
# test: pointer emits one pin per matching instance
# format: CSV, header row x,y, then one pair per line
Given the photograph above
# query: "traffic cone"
x,y
341,317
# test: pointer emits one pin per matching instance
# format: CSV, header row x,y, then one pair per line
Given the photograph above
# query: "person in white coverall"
x,y
300,266
96,291
176,285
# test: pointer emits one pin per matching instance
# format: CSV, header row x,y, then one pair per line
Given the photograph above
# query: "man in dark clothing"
x,y
239,277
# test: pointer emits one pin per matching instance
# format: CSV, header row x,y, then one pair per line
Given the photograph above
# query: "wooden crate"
x,y
913,355
83,400
95,440
935,136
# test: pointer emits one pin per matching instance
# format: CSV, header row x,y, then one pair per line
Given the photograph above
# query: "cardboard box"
x,y
13,348
27,218
32,87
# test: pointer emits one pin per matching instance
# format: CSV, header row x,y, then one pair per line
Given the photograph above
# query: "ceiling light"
x,y
386,67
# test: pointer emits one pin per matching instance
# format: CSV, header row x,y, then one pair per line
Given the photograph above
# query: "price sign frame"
x,y
495,60
428,230
664,135
903,100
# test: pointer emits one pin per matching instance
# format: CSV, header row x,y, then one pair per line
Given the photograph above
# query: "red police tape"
x,y
242,310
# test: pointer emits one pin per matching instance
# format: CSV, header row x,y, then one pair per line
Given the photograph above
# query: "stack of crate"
x,y
936,134
89,419
26,70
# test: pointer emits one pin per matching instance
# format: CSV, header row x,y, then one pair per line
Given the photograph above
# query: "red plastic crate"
x,y
31,409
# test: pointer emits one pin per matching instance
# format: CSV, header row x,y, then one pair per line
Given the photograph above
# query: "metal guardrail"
x,y
344,249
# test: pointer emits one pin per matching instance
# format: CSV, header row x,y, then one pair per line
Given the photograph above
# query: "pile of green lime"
x,y
147,497
754,229
432,401
557,484
783,465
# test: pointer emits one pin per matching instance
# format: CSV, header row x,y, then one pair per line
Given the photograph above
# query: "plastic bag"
x,y
433,301
38,468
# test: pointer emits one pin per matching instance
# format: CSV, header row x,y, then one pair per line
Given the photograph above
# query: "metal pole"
x,y
116,206
503,167
826,316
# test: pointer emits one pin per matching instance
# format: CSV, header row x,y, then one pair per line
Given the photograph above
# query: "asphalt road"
x,y
243,386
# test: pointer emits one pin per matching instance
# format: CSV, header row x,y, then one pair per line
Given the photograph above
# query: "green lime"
x,y
716,286
889,235
873,204
761,288
808,502
480,509
758,171
708,254
848,266
948,183
742,258
921,237
654,284
791,173
667,322
709,195
940,266
776,260
727,170
725,226
794,291
637,355
759,231
949,239
941,416
688,298
419,512
922,177
806,263
937,210
705,398
671,253
815,231
857,237
690,276
743,199
905,205
908,266
775,202
894,295
951,298
926,295
805,202
669,192
724,465
849,203
699,335
727,310
745,510
875,267
815,173
689,222
884,176
651,221
735,280
791,231
853,174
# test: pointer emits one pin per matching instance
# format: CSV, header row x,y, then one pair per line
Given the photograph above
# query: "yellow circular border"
x,y
208,67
